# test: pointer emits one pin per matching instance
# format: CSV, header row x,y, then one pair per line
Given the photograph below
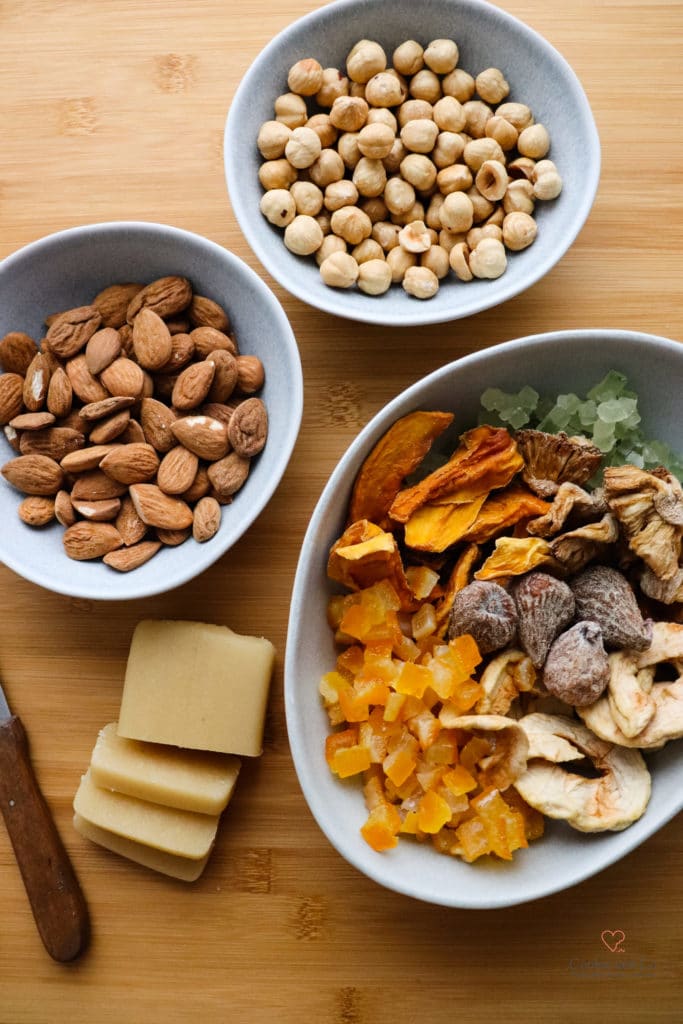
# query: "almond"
x,y
36,511
85,459
59,393
72,330
129,524
178,324
102,349
182,351
56,442
84,541
207,520
126,336
98,410
96,486
11,396
158,509
166,296
111,428
85,386
250,374
64,510
34,474
76,422
97,511
200,486
123,377
156,420
193,384
130,463
125,559
32,420
133,434
173,538
36,382
228,474
208,339
206,437
11,437
207,313
248,428
225,377
151,339
221,411
113,303
17,351
177,470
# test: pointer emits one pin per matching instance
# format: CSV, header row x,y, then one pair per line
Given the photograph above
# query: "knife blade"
x,y
56,898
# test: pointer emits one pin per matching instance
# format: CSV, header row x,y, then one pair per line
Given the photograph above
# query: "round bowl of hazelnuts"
x,y
402,168
150,398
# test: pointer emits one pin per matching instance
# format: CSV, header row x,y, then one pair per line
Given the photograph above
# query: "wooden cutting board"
x,y
115,110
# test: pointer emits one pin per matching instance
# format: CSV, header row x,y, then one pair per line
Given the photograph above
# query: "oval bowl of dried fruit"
x,y
483,672
143,368
420,151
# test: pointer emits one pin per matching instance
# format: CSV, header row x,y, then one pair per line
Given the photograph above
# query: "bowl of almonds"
x,y
150,399
403,167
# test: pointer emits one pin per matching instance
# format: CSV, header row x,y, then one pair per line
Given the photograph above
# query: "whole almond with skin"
x,y
200,486
205,312
74,421
147,385
11,396
225,377
59,393
12,437
177,470
108,406
173,538
126,336
158,509
113,302
36,383
193,385
95,485
248,428
151,339
206,437
227,475
167,296
55,442
34,474
208,339
207,520
97,511
125,559
17,351
111,428
250,374
156,420
32,420
64,510
53,361
85,541
123,377
37,511
182,351
133,434
131,463
221,411
85,386
85,459
128,522
102,349
72,330
178,325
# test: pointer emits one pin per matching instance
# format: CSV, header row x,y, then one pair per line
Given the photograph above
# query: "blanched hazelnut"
x,y
457,178
441,56
386,234
522,167
340,193
303,147
519,231
478,151
375,140
433,215
347,148
308,197
397,153
411,110
482,206
276,174
272,139
457,212
502,131
534,141
348,113
420,282
488,260
492,180
330,244
408,58
382,115
419,135
477,116
327,168
548,185
374,277
458,258
519,197
399,195
448,149
496,218
376,208
416,212
447,239
414,237
475,235
449,114
419,171
305,77
324,129
425,85
334,83
369,177
352,224
339,270
459,84
365,59
278,207
357,89
303,235
323,219
399,260
518,114
291,110
384,90
491,85
436,259
368,249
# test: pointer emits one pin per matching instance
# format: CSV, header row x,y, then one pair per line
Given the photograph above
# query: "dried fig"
x,y
545,606
485,611
603,595
577,667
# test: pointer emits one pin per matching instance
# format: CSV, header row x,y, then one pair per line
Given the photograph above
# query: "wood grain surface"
x,y
115,110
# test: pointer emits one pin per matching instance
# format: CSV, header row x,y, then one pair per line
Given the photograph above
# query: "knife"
x,y
52,887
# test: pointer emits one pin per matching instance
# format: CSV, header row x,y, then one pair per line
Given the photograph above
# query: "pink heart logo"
x,y
613,940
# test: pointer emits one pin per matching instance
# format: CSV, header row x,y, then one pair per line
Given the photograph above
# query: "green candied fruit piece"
x,y
616,410
569,402
556,420
528,398
517,418
493,399
612,385
603,436
587,413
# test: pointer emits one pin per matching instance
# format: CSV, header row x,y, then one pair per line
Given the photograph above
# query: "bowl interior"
x,y
67,270
553,364
487,37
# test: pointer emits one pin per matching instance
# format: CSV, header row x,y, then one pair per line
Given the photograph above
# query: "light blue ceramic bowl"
x,y
552,363
487,36
68,269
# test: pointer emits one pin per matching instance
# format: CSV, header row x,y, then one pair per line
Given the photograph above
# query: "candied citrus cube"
x,y
373,787
425,727
534,822
381,829
466,694
405,648
349,761
355,708
413,679
466,650
423,622
398,765
339,741
504,827
372,691
351,660
409,824
433,812
459,781
444,749
473,839
394,706
331,685
421,580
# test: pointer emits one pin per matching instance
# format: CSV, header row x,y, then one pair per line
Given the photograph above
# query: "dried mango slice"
x,y
514,556
395,456
366,554
503,510
437,527
487,458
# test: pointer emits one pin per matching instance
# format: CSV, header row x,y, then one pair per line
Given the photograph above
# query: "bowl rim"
x,y
424,313
362,444
206,555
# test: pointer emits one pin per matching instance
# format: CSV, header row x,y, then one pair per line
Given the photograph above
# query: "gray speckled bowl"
x,y
68,269
487,37
552,363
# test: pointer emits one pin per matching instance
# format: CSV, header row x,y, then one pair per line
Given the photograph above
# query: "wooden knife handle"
x,y
54,893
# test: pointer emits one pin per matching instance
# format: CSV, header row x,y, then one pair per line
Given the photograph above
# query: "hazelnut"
x,y
502,131
492,180
305,77
519,197
477,116
457,178
415,237
369,177
420,282
368,249
365,59
347,149
291,110
448,149
327,168
483,207
491,86
449,114
548,185
447,239
375,140
413,109
518,114
382,115
325,130
459,84
303,147
272,139
475,235
419,135
399,261
278,207
419,171
276,174
534,141
457,212
399,195
303,235
425,85
340,193
433,215
349,113
416,212
374,277
323,219
397,153
408,58
308,197
441,56
519,231
375,208
339,270
384,90
351,224
488,260
386,235
333,84
458,258
330,244
479,150
436,259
